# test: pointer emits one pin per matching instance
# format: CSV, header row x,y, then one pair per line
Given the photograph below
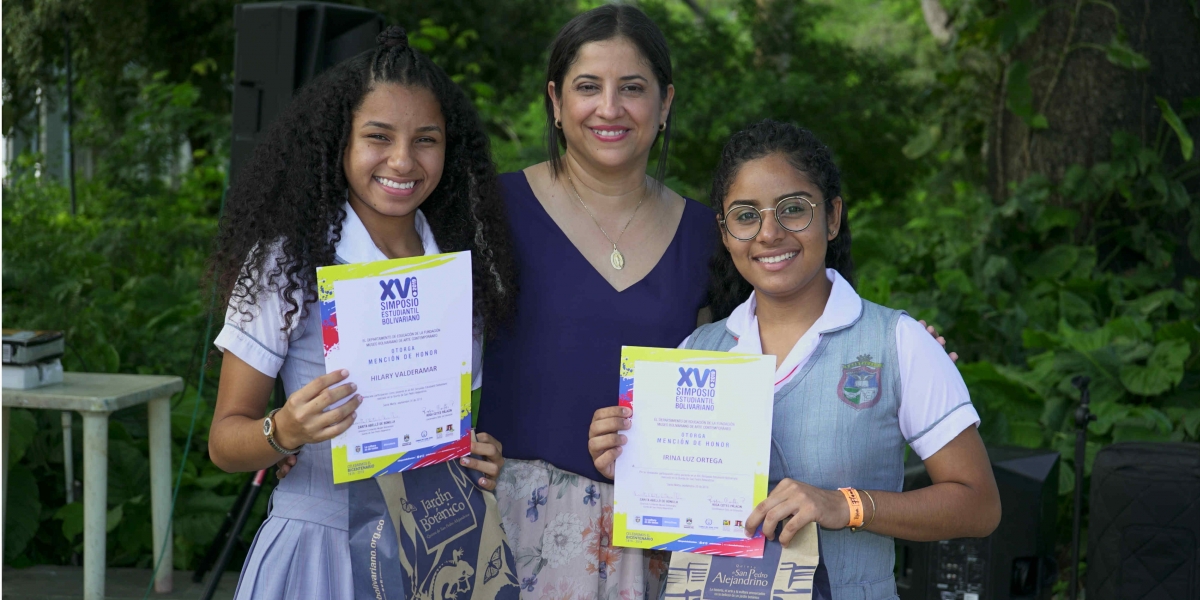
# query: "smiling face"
x,y
778,262
610,105
397,150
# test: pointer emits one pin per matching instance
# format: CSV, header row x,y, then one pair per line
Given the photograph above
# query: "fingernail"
x,y
343,373
628,422
466,461
353,386
623,439
625,412
482,482
618,451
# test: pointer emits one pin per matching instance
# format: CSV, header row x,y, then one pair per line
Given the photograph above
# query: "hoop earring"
x,y
558,123
662,126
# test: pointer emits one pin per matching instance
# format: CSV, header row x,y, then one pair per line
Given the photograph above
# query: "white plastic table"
x,y
96,396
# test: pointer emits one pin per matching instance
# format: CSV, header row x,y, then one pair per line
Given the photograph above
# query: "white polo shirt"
x,y
261,341
934,403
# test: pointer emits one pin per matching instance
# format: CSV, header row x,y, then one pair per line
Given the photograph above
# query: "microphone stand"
x,y
1082,417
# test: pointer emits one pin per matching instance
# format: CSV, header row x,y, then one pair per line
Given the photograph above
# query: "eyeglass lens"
x,y
793,214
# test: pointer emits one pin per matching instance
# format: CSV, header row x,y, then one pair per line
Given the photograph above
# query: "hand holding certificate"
x,y
402,328
698,451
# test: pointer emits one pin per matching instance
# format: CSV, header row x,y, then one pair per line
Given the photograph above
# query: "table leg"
x,y
4,484
68,455
160,491
95,502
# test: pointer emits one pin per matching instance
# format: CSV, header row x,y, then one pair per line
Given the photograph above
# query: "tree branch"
x,y
938,20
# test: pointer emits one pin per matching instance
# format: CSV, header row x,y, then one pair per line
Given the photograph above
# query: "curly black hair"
x,y
288,200
809,156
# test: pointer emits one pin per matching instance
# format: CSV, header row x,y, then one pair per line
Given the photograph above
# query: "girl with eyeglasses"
x,y
855,382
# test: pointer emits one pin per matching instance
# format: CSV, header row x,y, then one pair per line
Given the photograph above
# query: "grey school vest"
x,y
836,425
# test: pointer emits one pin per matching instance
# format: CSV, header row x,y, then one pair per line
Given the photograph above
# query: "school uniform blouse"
x,y
557,363
934,403
302,550
862,383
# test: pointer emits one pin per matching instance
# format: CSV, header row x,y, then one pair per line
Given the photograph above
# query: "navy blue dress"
x,y
557,363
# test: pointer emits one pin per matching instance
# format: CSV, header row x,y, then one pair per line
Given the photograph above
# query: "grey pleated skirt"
x,y
302,550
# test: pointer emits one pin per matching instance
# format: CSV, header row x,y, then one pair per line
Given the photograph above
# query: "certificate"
x,y
402,328
698,452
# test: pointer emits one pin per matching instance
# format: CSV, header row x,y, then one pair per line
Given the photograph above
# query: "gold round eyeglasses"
x,y
793,213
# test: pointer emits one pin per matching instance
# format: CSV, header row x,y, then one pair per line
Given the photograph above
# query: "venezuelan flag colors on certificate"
x,y
402,328
699,450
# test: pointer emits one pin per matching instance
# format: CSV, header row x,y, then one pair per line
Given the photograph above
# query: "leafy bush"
x,y
123,279
1031,300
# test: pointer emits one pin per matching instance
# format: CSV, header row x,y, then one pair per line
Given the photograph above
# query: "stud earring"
x,y
558,123
662,126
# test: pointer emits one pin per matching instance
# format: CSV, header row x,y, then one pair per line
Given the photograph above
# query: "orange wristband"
x,y
856,506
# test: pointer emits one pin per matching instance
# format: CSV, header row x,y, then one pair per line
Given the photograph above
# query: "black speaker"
x,y
1144,523
1016,562
280,46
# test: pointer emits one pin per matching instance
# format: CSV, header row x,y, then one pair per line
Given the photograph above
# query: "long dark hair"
x,y
283,215
598,25
807,155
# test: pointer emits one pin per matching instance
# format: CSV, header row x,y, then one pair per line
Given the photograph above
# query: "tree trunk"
x,y
1086,98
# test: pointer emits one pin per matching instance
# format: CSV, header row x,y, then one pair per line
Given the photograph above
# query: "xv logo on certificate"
x,y
402,328
699,450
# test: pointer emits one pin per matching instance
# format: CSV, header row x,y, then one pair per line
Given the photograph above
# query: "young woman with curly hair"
x,y
855,382
382,156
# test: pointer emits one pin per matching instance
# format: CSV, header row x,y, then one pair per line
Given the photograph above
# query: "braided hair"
x,y
284,213
807,155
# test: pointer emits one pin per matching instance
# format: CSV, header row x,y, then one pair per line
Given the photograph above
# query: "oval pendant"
x,y
617,260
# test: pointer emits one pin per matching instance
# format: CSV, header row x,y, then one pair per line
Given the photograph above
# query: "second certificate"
x,y
698,454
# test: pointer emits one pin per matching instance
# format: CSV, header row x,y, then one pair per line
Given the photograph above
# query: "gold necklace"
x,y
616,258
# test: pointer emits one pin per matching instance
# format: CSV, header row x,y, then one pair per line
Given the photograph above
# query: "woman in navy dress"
x,y
606,256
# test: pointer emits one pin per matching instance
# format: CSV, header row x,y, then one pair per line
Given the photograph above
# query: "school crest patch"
x,y
860,386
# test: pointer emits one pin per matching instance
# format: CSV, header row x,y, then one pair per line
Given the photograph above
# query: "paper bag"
x,y
449,544
783,573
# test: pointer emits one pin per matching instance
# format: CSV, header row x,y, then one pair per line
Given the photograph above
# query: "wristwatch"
x,y
269,431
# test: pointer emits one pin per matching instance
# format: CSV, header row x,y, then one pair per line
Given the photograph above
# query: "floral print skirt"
x,y
560,527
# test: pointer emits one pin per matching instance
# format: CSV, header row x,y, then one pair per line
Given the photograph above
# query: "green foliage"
x,y
108,37
1064,276
123,279
1031,307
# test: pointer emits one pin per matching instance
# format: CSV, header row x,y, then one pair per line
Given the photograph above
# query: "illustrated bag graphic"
x,y
429,534
790,572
